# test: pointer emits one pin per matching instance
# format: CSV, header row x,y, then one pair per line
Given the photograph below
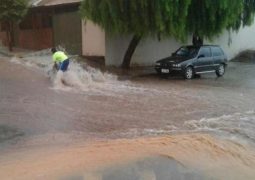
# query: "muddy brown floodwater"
x,y
100,127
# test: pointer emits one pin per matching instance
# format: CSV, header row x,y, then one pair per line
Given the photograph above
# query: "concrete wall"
x,y
241,41
150,49
93,40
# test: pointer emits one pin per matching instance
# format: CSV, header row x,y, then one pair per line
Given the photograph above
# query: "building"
x,y
57,23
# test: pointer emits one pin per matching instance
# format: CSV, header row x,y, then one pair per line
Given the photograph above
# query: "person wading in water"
x,y
61,63
60,59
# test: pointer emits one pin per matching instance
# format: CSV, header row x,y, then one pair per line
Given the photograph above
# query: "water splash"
x,y
237,127
79,77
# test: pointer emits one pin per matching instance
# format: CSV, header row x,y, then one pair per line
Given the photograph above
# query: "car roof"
x,y
206,45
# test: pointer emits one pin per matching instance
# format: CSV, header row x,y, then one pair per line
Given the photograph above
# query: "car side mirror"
x,y
201,56
173,54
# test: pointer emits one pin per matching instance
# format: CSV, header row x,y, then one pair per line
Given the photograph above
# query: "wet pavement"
x,y
35,114
147,101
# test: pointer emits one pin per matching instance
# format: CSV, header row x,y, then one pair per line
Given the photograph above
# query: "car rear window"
x,y
216,51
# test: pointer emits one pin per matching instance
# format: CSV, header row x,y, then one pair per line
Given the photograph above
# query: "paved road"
x,y
32,112
36,114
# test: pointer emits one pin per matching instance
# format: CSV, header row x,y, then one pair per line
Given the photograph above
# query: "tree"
x,y
209,18
11,12
167,18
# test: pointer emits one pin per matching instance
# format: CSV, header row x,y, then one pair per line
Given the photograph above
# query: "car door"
x,y
218,56
204,60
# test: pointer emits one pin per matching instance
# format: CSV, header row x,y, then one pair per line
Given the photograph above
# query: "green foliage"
x,y
13,10
177,18
142,17
209,18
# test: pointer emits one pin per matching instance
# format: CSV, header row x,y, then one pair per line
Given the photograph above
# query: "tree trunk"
x,y
130,51
197,40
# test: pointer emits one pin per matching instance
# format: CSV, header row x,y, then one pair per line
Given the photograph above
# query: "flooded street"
x,y
99,126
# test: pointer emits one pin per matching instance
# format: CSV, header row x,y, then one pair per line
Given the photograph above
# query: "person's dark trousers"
x,y
64,65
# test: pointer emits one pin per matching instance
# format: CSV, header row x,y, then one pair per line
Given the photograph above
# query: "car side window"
x,y
205,52
216,51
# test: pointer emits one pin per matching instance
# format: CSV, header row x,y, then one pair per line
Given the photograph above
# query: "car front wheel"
x,y
188,73
220,70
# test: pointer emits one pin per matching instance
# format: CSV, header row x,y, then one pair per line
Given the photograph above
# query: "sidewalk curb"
x,y
6,54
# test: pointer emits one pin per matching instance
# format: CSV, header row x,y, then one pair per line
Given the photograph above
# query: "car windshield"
x,y
186,51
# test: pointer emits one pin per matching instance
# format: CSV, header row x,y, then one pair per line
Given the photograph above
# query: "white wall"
x,y
93,40
150,49
241,41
